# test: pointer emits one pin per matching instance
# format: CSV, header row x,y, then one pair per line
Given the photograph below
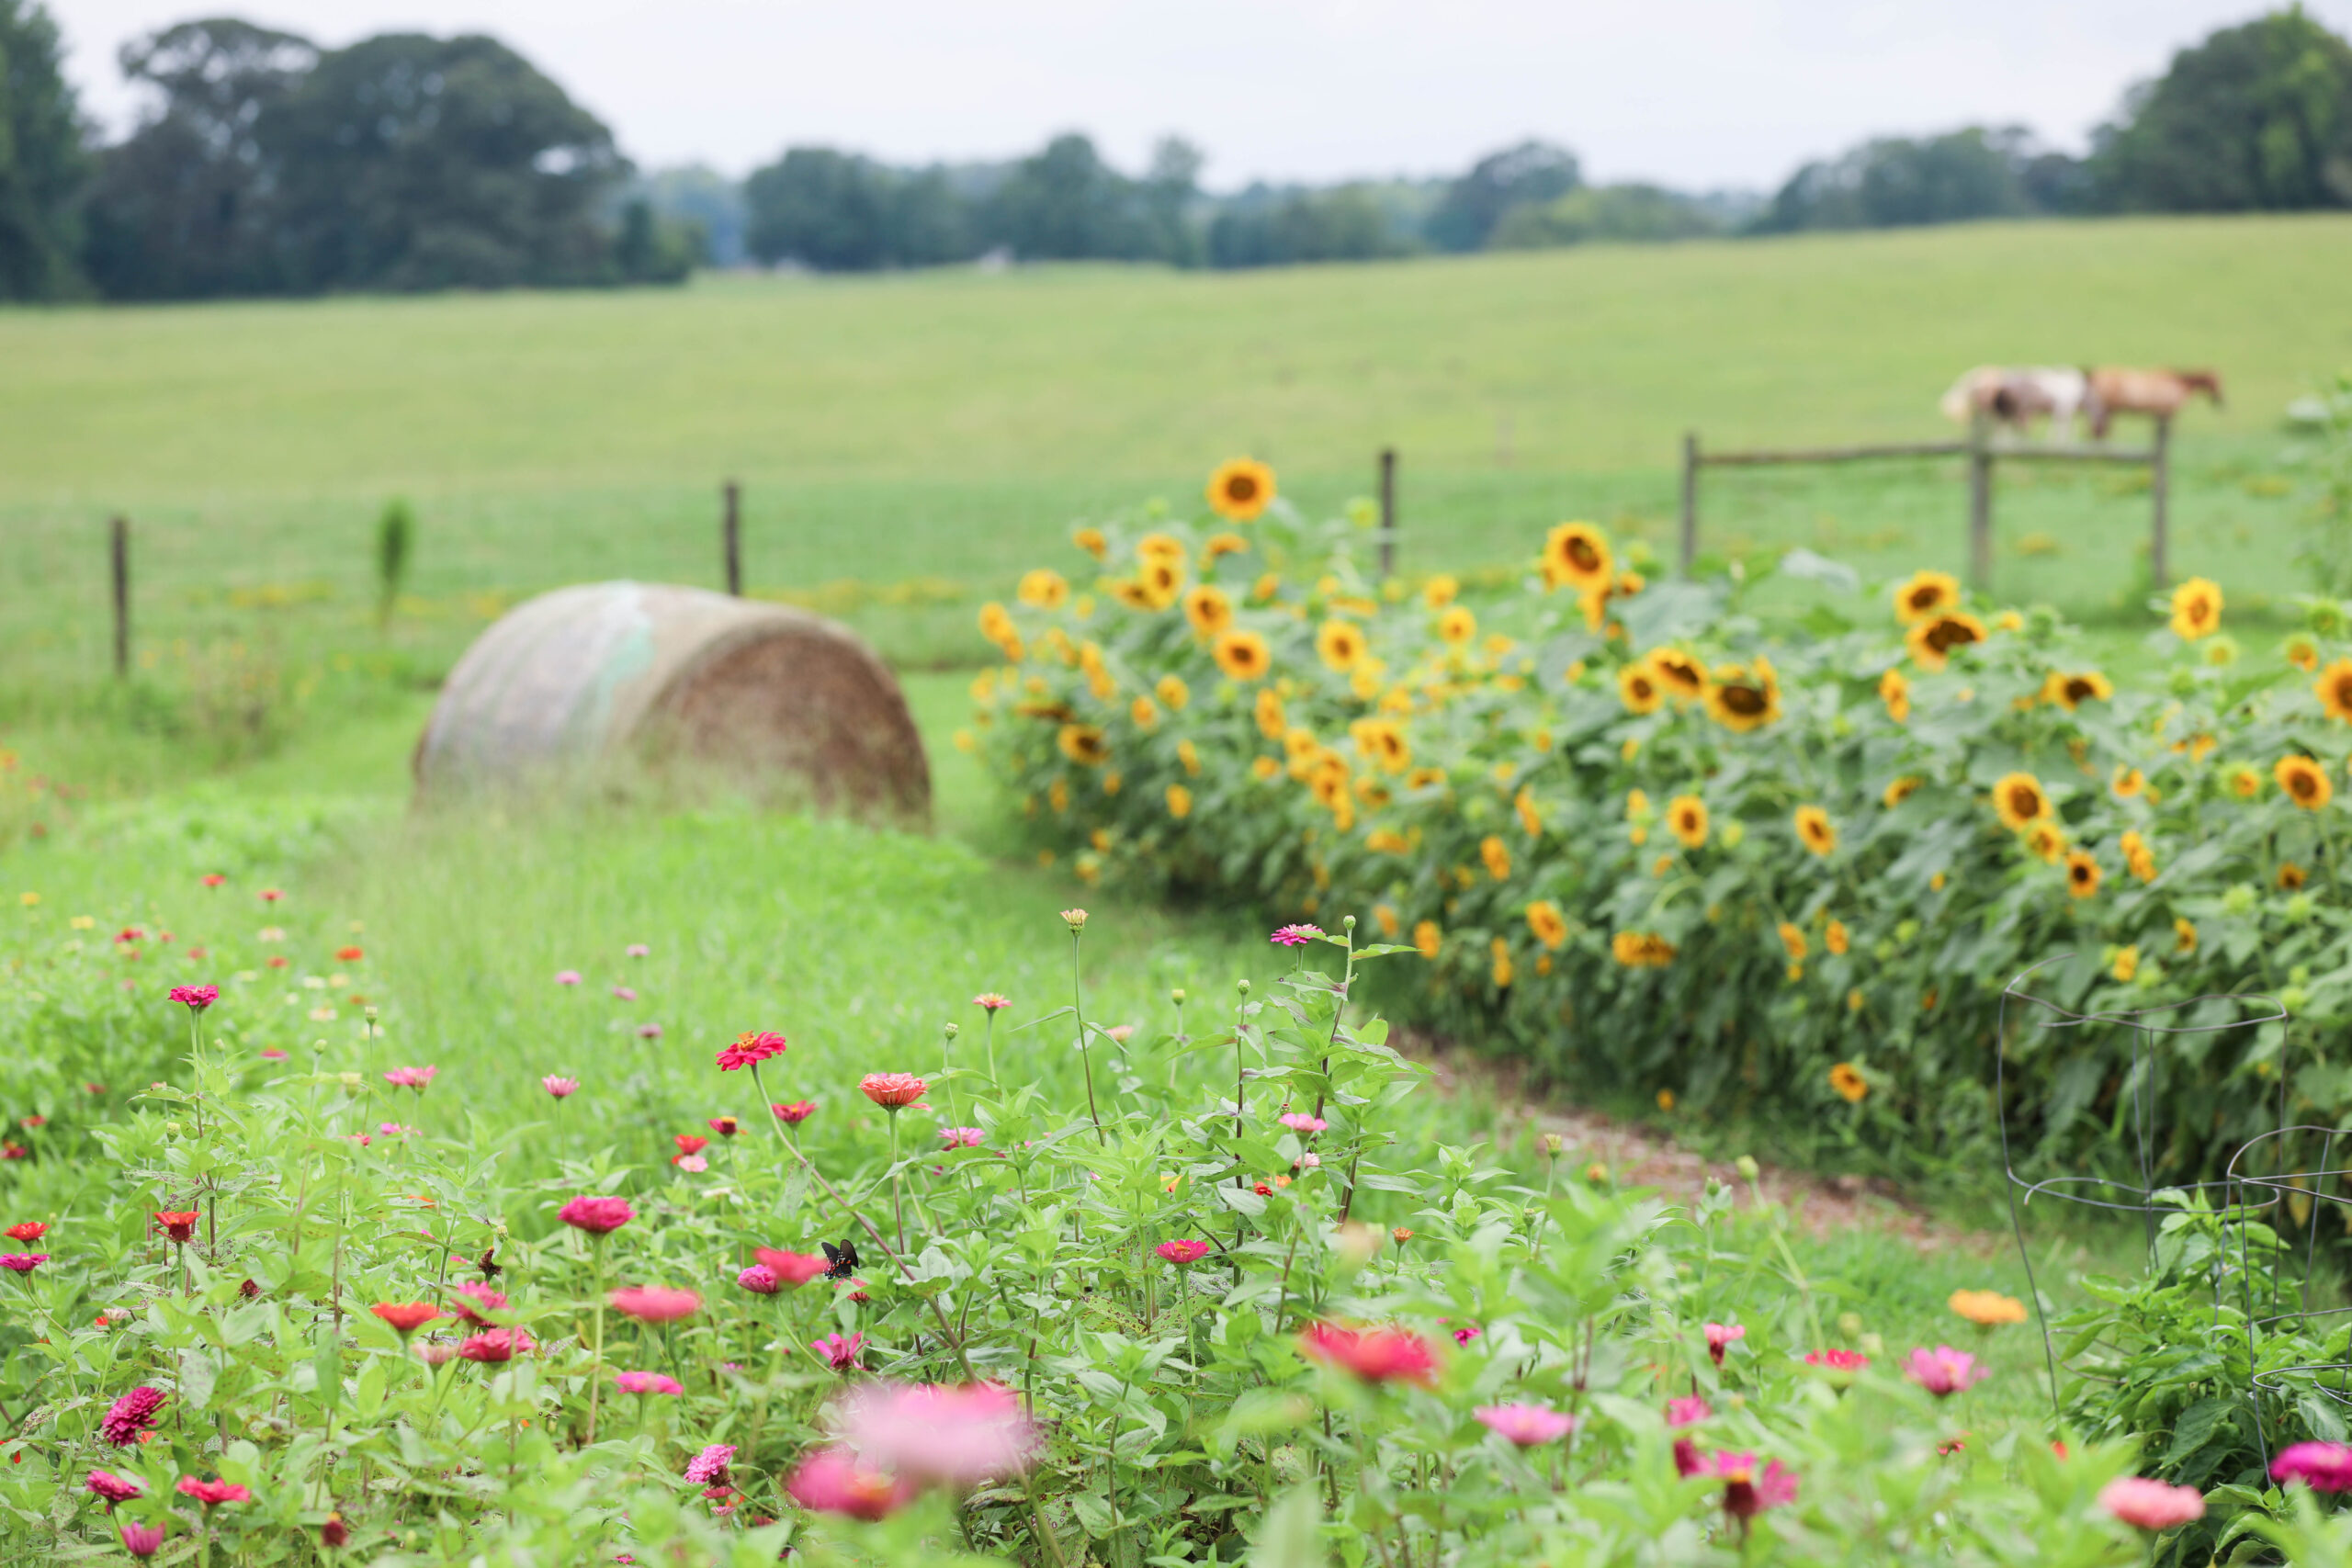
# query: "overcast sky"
x,y
1693,93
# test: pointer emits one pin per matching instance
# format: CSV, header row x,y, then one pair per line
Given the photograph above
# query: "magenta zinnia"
x,y
114,1488
708,1468
498,1345
133,1414
213,1493
2323,1467
1378,1354
792,1115
947,1436
1720,1335
22,1262
196,998
597,1216
841,1351
794,1269
1182,1251
751,1046
648,1382
1525,1426
835,1481
1944,1371
1748,1489
2151,1505
655,1304
1296,936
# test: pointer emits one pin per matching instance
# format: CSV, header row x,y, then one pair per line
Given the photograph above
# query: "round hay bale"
x,y
773,699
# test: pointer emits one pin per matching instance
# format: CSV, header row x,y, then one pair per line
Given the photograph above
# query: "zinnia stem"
x,y
1085,1058
596,1372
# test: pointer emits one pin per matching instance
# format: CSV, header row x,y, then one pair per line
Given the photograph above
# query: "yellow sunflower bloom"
x,y
1160,583
2070,692
2045,841
1836,939
1576,555
2020,799
1083,743
1638,688
2246,782
1496,856
1266,768
1427,938
2334,690
1180,802
1144,713
1045,590
1189,756
1744,698
1932,641
1815,829
1241,489
1549,925
1457,626
1678,672
2304,781
1847,1080
1792,937
1220,545
2138,858
1340,644
2128,782
1271,722
1687,815
1900,790
1503,973
1173,693
2196,609
1895,691
2291,877
1243,655
2126,964
1927,595
1440,591
2082,874
2183,936
1091,541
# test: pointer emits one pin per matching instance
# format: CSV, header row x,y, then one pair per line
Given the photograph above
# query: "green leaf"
x,y
1291,1536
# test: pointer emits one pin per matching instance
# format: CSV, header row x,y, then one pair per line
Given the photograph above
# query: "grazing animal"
x,y
2120,389
2017,395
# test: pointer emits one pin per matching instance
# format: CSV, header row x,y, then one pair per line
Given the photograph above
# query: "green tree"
x,y
1629,213
2257,117
1262,228
1065,204
41,160
1531,172
1889,182
845,212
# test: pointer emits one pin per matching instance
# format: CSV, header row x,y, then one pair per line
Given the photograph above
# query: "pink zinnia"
x,y
794,1269
637,949
473,1300
142,1541
1300,1122
133,1414
955,1437
1838,1360
1720,1335
213,1493
597,1216
1748,1490
114,1488
22,1262
2151,1505
2323,1467
1525,1424
648,1382
1944,1371
709,1467
962,1137
655,1304
437,1352
1467,1333
1687,1412
797,1112
834,1481
567,976
272,1053
410,1077
498,1345
271,895
841,1351
1182,1251
751,1046
213,879
624,993
1378,1354
892,1091
648,1032
1296,936
561,1088
196,998
760,1279
989,1001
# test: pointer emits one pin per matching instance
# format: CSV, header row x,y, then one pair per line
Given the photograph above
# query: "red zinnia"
x,y
892,1091
406,1316
655,1304
792,1115
114,1488
213,879
473,1300
498,1345
1378,1354
597,1216
1182,1251
750,1047
196,998
213,1493
178,1223
349,954
792,1268
32,1230
692,1143
725,1126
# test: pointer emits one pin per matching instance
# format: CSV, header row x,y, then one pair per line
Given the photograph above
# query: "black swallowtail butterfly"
x,y
842,1258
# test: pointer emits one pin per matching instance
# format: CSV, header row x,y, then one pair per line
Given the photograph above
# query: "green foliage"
x,y
2256,118
1889,182
395,534
2323,420
1589,214
41,161
1532,173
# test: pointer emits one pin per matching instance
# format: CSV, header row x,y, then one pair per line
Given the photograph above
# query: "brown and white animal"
x,y
2120,389
2017,395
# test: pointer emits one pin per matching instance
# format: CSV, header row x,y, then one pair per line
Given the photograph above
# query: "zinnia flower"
x,y
753,1046
691,1142
1299,1122
648,1382
1182,1251
567,976
1987,1308
133,1414
989,1001
407,1317
196,998
2151,1505
114,1488
1379,1354
962,1137
213,1493
142,1541
792,1268
1525,1426
1296,936
410,1077
892,1091
760,1279
792,1115
497,1345
1837,1360
474,1299
22,1262
955,1437
32,1230
1720,1335
597,1216
1687,1412
841,1351
1944,1371
655,1304
834,1481
709,1467
178,1223
2323,1467
725,1126
1748,1490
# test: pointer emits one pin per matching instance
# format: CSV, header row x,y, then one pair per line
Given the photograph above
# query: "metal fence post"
x,y
732,529
1689,500
1388,511
120,548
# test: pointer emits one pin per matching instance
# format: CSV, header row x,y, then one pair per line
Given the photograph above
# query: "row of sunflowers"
x,y
1664,846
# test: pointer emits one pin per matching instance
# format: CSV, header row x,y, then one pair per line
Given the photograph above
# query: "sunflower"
x,y
1544,920
2128,782
1161,581
1241,489
1502,970
1496,856
1932,641
1836,939
1637,688
2126,964
1385,744
2196,609
1091,541
1144,712
1895,692
1529,817
1426,937
1677,671
1423,778
1341,643
1687,815
2070,692
2082,873
1180,802
1440,591
1927,595
1847,1080
1271,722
996,624
2138,858
2291,877
1576,555
1266,586
1386,916
1900,790
1173,693
2046,842
1387,841
1241,654
1045,590
1083,743
2183,936
1132,593
2334,690
2246,782
1457,626
1266,768
1815,830
1223,545
2304,781
1741,698
2020,799
2302,653
1792,938
1189,756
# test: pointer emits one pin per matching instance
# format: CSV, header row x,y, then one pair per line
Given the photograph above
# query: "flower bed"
x,y
1673,850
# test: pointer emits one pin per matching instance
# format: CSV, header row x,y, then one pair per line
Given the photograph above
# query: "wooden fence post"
x,y
1689,500
2159,493
732,529
1980,505
1388,511
120,546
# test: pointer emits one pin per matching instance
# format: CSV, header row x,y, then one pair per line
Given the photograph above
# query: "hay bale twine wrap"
x,y
782,702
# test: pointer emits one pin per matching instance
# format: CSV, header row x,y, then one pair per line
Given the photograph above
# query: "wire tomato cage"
x,y
2239,1202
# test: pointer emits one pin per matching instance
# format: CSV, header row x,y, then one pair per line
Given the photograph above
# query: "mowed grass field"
x,y
951,427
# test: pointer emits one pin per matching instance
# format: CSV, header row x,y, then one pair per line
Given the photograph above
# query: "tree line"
x,y
267,165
